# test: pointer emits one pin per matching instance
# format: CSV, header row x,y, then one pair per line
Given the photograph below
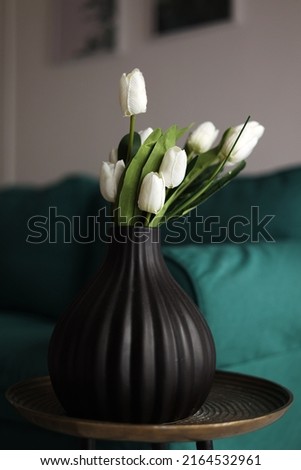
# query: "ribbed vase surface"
x,y
132,347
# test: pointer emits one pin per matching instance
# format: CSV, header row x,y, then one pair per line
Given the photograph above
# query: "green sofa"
x,y
238,256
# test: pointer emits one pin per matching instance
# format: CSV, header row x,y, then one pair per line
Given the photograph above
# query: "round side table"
x,y
237,404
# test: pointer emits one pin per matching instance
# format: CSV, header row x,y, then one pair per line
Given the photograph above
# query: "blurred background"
x,y
61,61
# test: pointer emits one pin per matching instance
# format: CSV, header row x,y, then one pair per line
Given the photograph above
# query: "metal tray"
x,y
237,404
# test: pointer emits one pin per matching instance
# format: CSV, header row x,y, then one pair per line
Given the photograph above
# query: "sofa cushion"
x,y
250,295
43,259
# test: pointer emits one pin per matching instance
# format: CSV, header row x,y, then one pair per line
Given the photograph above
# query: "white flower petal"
x,y
202,138
145,133
152,193
132,93
113,157
245,144
110,174
173,166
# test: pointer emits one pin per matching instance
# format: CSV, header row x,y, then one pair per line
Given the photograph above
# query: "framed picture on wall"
x,y
173,15
86,27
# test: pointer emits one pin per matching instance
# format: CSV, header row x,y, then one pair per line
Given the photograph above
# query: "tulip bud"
x,y
110,174
173,166
245,144
152,193
113,157
132,93
202,138
144,134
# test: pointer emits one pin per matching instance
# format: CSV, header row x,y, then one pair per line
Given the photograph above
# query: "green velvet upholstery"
x,y
56,269
245,289
249,292
251,297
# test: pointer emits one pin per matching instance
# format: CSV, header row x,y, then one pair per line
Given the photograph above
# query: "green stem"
x,y
169,201
147,219
212,184
191,156
131,137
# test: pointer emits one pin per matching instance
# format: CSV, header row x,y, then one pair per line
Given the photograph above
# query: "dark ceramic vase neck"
x,y
134,249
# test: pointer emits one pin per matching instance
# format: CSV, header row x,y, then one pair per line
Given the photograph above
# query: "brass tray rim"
x,y
172,431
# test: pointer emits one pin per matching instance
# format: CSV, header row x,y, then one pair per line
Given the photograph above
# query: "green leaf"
x,y
123,146
195,185
154,159
183,130
167,140
196,180
129,184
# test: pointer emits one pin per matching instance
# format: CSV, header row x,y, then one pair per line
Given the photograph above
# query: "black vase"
x,y
132,347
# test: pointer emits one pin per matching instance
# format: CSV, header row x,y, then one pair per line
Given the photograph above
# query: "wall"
x,y
67,115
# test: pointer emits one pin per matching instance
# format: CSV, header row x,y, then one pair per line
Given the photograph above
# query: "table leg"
x,y
158,446
200,445
88,444
204,445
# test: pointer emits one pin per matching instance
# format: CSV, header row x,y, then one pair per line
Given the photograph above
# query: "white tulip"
x,y
110,174
152,193
113,157
145,133
173,166
245,144
132,93
202,138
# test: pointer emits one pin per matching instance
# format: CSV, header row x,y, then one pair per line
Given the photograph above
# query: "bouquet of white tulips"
x,y
150,180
